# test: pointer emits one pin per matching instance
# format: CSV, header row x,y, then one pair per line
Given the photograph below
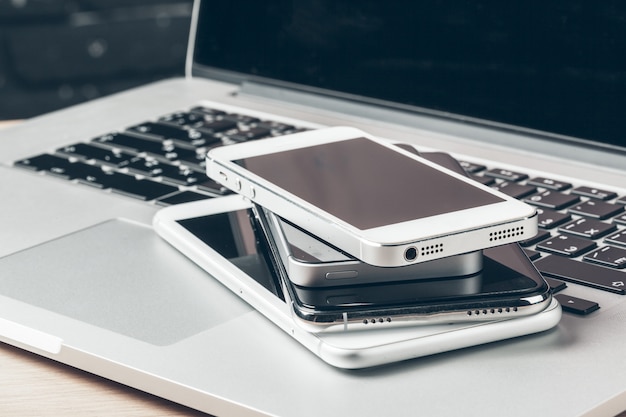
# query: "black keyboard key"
x,y
549,219
85,151
97,177
472,168
514,189
242,118
576,305
211,186
208,111
596,209
146,166
84,173
610,256
164,150
196,161
482,179
566,245
589,228
160,130
173,153
552,199
44,162
182,175
129,142
217,126
549,183
583,273
177,174
249,134
183,119
141,189
621,200
618,238
533,255
555,284
621,219
542,235
505,174
198,139
182,197
594,193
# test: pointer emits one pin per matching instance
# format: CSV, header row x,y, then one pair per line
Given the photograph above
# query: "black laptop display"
x,y
557,67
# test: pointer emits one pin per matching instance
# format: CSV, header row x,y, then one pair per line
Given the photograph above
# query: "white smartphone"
x,y
381,204
217,235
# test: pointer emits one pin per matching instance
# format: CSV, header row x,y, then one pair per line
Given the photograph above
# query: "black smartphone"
x,y
508,286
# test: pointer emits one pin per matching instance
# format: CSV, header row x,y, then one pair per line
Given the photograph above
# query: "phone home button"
x,y
341,274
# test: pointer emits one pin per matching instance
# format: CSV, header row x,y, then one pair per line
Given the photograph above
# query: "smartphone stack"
x,y
367,235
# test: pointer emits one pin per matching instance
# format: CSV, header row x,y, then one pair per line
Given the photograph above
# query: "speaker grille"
x,y
377,320
492,311
506,233
432,249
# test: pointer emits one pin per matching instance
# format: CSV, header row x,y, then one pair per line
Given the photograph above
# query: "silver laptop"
x,y
530,103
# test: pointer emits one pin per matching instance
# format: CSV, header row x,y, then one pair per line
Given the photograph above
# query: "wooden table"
x,y
31,385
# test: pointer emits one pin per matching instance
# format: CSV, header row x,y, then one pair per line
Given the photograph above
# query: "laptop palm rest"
x,y
93,276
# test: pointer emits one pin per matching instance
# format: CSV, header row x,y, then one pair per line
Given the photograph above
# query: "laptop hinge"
x,y
335,102
463,128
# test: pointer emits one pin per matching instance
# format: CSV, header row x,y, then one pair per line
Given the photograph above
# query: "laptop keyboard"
x,y
582,236
160,161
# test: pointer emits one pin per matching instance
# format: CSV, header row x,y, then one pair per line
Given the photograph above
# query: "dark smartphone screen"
x,y
234,237
366,184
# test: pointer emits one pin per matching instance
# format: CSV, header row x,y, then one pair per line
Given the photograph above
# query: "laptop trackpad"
x,y
120,276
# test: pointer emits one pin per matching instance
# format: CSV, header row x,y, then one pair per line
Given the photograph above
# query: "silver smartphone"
x,y
379,203
217,235
311,262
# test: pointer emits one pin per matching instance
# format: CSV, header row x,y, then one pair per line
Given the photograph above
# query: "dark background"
x,y
55,53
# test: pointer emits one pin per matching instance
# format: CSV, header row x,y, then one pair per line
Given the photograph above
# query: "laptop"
x,y
529,102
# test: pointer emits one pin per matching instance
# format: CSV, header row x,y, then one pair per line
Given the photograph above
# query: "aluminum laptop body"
x,y
98,290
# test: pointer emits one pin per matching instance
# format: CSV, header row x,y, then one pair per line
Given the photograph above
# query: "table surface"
x,y
31,385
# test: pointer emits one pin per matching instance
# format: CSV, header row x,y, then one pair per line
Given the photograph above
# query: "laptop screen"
x,y
555,66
